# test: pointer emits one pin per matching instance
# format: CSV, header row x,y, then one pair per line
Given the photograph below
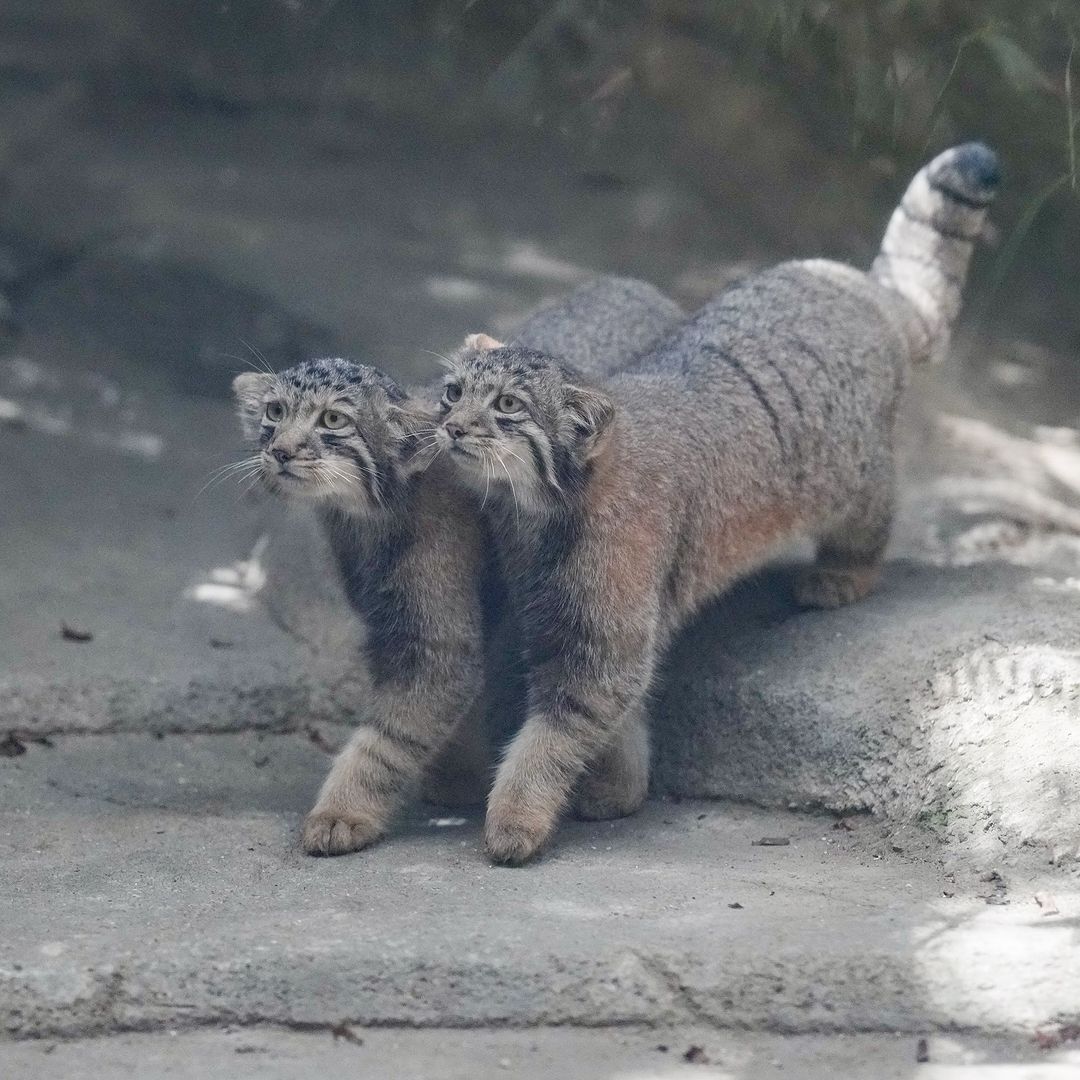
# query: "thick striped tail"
x,y
931,235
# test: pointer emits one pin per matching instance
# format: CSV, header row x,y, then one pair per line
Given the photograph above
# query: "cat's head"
x,y
519,423
331,431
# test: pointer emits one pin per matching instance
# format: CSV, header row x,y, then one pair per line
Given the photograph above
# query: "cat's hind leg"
x,y
850,554
616,784
461,775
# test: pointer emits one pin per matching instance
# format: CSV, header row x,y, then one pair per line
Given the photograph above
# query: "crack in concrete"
x,y
683,998
111,800
214,1022
283,624
298,727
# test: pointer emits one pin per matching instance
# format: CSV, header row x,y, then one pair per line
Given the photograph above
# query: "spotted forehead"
x,y
330,376
509,362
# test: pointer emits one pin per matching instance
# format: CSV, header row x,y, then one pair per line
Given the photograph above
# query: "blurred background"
x,y
181,183
191,189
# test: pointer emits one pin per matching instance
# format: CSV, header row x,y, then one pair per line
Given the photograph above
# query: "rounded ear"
x,y
592,412
249,387
481,342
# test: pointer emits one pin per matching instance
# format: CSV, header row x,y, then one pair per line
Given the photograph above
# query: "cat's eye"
x,y
508,403
453,392
334,420
275,411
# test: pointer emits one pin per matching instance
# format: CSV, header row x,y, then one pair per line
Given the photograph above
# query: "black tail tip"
x,y
971,171
978,165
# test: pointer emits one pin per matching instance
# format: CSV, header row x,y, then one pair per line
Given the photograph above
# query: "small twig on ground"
x,y
343,1031
316,737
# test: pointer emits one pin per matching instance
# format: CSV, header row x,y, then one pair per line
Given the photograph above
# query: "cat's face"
x,y
519,424
330,431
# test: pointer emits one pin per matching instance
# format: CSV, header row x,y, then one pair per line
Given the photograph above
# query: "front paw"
x,y
513,835
327,833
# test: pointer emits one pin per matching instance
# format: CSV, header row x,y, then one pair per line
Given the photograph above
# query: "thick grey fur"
x,y
414,558
626,505
601,325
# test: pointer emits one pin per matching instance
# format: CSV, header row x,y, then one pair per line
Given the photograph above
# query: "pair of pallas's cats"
x,y
563,503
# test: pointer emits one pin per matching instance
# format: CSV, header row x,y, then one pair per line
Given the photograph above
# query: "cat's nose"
x,y
280,456
455,431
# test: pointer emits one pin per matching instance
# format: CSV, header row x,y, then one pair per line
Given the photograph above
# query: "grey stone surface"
x,y
114,543
156,883
951,697
539,1054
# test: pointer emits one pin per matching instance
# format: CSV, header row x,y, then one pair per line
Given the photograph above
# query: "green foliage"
x,y
910,76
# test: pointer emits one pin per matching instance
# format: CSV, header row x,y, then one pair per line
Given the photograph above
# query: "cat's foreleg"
x,y
568,727
378,767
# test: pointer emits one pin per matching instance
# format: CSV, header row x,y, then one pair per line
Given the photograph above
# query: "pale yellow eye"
x,y
333,420
275,411
508,403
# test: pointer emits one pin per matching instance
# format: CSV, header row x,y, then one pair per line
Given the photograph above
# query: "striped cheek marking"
x,y
540,450
356,448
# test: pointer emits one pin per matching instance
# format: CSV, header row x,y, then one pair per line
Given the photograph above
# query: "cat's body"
x,y
766,415
414,559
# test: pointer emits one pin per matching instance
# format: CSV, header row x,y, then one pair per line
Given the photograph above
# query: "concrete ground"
x,y
153,885
175,665
631,1053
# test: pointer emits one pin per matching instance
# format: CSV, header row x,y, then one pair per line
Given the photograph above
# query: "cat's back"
x,y
796,370
602,325
811,314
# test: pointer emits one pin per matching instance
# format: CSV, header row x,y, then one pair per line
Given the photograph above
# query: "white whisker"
x,y
431,461
350,479
446,361
511,452
260,368
433,441
487,480
235,469
258,356
513,490
250,486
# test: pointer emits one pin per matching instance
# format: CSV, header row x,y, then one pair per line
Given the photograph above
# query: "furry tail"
x,y
931,235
